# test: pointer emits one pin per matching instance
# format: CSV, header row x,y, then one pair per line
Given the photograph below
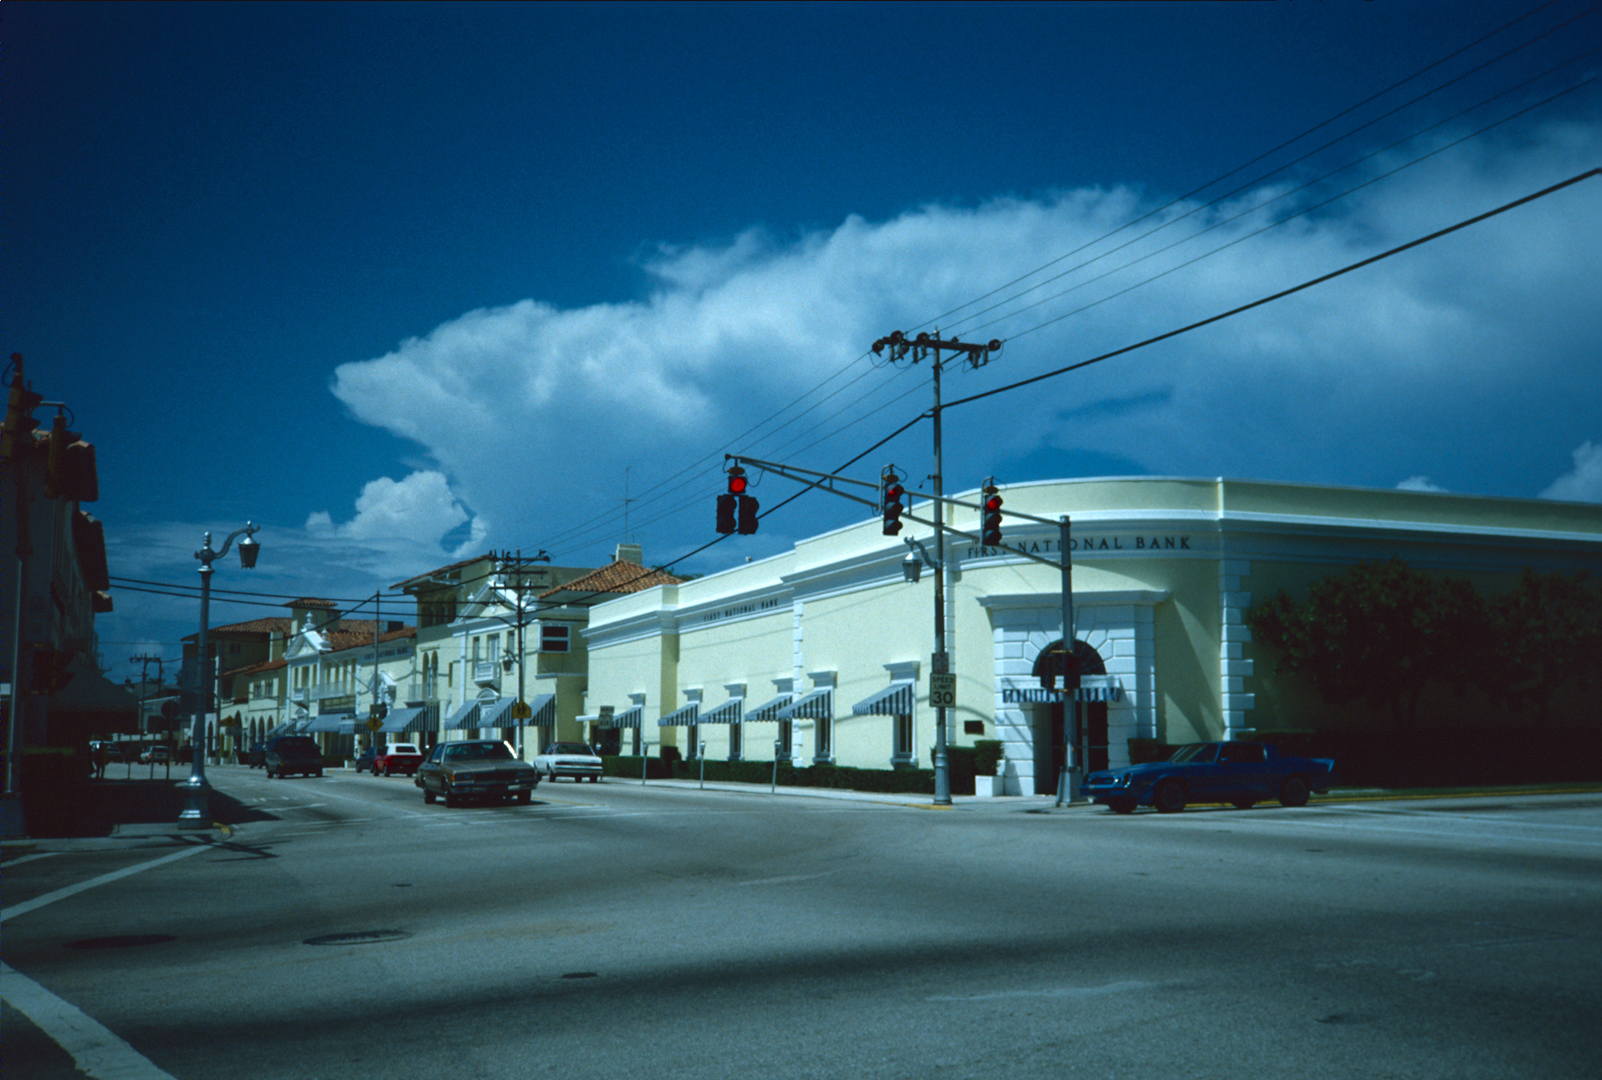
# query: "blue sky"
x,y
405,282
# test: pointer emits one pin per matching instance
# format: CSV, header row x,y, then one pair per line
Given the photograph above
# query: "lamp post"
x,y
197,792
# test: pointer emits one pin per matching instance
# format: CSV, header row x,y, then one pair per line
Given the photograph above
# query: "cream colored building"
x,y
825,649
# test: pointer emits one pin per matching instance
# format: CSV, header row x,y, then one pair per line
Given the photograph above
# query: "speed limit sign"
x,y
943,691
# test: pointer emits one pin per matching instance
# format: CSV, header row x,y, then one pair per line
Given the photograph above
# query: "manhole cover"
x,y
121,941
360,937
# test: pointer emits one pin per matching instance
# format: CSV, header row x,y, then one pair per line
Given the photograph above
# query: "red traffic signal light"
x,y
990,515
890,495
737,482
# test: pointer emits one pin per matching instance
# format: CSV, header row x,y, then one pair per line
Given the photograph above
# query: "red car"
x,y
403,758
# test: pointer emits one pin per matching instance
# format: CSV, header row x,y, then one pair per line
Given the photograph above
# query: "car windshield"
x,y
304,743
403,748
569,748
478,751
1196,753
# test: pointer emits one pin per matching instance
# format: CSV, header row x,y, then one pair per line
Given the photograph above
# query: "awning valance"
x,y
330,723
896,699
464,718
411,718
543,706
685,717
497,713
727,713
818,705
1091,688
628,718
769,711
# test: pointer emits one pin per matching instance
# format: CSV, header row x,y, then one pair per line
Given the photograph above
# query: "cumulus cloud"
x,y
1418,483
539,413
1584,484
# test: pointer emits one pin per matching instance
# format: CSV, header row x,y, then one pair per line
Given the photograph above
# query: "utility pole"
x,y
521,711
144,681
930,347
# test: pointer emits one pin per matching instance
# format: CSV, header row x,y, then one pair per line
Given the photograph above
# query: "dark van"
x,y
293,754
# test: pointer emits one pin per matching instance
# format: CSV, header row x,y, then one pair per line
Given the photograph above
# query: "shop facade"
x,y
822,654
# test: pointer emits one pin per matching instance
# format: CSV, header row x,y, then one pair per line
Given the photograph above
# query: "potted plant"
x,y
987,762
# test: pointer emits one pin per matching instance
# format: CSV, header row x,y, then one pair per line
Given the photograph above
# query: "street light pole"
x,y
197,792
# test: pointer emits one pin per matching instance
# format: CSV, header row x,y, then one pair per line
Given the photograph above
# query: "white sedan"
x,y
569,759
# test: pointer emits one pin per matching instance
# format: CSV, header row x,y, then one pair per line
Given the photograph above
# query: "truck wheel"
x,y
1293,792
1169,798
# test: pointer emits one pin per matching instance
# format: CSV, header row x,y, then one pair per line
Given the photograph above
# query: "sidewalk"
x,y
888,798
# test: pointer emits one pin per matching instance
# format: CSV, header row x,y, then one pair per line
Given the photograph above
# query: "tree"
x,y
1379,633
1547,631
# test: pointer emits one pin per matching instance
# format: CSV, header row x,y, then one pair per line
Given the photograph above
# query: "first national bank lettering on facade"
x,y
1123,543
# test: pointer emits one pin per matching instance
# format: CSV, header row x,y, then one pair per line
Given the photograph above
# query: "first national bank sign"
x,y
1095,544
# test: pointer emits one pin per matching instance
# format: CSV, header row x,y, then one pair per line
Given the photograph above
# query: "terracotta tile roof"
x,y
274,624
614,579
310,601
358,633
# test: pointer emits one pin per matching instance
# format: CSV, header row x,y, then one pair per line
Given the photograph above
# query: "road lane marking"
x,y
104,879
20,859
1051,992
94,1048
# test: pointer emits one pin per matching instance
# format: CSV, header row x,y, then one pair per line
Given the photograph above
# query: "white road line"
x,y
29,858
94,1048
72,890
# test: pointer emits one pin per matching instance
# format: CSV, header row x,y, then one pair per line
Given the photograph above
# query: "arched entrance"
x,y
1052,727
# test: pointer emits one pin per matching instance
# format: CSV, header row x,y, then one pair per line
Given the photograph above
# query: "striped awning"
x,y
411,718
896,699
628,718
543,707
770,710
688,716
331,724
465,718
1099,688
727,713
497,713
818,705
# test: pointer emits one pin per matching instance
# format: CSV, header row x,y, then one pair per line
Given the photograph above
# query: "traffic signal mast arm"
x,y
790,472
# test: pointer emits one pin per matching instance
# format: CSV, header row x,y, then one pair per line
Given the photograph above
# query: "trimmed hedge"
x,y
897,781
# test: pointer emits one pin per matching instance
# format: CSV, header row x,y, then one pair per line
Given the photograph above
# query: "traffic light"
x,y
19,422
890,494
736,509
990,515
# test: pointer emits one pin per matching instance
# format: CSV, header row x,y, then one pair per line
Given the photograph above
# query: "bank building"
x,y
821,654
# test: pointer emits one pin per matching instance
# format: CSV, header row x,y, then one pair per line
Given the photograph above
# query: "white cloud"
x,y
1449,357
1584,484
1418,483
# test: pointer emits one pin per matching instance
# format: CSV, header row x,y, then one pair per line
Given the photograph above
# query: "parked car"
x,y
1239,772
364,760
156,755
403,758
475,769
256,756
573,759
293,754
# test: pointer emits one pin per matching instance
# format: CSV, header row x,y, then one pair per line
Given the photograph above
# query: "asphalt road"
x,y
344,929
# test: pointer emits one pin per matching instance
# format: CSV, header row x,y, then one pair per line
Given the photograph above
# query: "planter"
x,y
988,786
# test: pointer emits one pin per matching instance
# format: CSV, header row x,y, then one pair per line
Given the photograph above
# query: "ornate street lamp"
x,y
197,792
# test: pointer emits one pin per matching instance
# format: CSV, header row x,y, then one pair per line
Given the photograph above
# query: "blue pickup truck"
x,y
1238,772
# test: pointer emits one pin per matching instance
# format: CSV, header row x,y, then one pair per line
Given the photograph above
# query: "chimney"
x,y
630,553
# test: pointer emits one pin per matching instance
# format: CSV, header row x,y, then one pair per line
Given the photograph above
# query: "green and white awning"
x,y
769,711
817,705
897,699
727,713
688,716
